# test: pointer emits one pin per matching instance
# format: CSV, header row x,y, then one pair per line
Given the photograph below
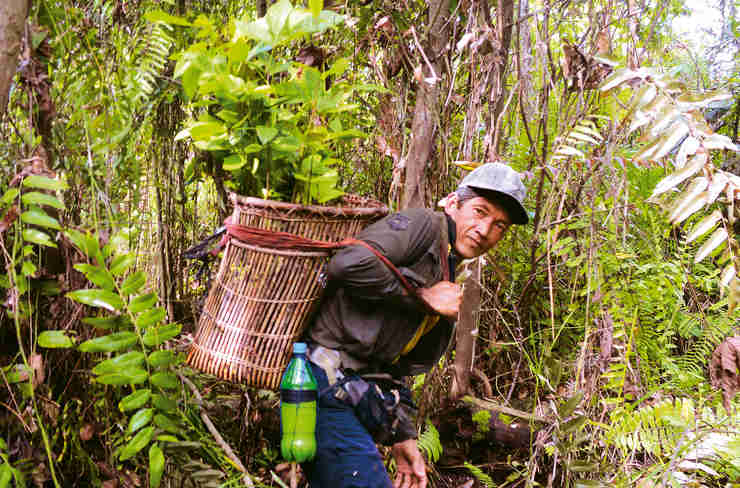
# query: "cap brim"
x,y
516,211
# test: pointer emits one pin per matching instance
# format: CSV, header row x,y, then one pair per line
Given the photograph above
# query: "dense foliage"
x,y
605,327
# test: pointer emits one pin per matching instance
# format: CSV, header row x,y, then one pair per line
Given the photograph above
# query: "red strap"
x,y
285,240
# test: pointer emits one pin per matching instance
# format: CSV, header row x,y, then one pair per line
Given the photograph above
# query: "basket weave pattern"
x,y
262,298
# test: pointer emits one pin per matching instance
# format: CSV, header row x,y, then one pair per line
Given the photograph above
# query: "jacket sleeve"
x,y
402,238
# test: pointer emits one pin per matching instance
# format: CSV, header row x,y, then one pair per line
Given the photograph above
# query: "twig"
x,y
216,435
424,55
489,405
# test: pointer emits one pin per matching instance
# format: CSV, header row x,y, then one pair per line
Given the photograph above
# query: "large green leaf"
x,y
10,195
55,339
165,380
38,198
139,442
38,237
120,363
121,263
140,419
105,323
44,183
156,466
157,335
133,283
97,298
98,275
135,400
86,243
150,317
142,302
36,216
164,403
167,424
158,359
130,377
109,343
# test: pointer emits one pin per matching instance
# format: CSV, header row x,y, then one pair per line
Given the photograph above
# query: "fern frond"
x,y
480,475
429,442
152,57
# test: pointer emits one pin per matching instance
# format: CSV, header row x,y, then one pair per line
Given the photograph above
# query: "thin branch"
x,y
216,435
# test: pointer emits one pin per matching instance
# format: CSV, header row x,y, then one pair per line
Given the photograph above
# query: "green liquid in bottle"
x,y
298,408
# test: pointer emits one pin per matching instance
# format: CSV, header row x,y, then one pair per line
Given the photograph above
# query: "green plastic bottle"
x,y
298,395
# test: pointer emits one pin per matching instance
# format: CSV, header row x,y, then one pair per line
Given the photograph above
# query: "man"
x,y
374,327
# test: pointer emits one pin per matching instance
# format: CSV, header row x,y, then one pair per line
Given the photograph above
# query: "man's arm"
x,y
402,238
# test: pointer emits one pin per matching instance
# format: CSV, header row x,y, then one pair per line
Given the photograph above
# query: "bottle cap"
x,y
299,348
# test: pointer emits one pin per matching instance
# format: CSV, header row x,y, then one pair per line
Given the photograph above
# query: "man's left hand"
x,y
411,471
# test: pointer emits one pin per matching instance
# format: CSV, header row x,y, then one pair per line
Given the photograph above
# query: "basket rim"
x,y
367,207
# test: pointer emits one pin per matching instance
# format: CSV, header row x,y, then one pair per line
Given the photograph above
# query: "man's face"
x,y
480,224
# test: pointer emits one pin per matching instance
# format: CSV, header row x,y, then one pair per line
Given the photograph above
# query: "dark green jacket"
x,y
366,313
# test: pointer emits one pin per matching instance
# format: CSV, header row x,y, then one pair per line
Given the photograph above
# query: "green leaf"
x,y
133,283
140,419
142,302
160,16
266,134
38,198
17,374
165,380
109,343
85,243
135,400
97,275
38,217
139,442
44,183
156,466
28,268
234,162
156,336
569,406
150,317
164,403
131,377
55,339
121,263
97,298
105,323
38,237
5,475
574,424
158,359
10,195
122,362
167,424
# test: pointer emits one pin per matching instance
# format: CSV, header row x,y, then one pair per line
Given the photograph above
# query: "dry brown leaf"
x,y
86,432
36,362
724,367
9,218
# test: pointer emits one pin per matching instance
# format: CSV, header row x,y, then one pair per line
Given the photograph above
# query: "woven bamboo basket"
x,y
262,298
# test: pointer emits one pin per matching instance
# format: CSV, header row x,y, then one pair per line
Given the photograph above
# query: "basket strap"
x,y
288,241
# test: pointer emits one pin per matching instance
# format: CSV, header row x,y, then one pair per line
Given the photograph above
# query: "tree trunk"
x,y
12,19
426,110
465,332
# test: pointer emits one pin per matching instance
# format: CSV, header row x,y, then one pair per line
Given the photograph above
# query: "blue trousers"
x,y
346,455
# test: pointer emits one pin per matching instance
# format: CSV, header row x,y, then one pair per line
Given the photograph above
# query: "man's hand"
x,y
444,298
411,471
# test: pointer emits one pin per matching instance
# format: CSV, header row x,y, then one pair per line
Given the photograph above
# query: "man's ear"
x,y
451,203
